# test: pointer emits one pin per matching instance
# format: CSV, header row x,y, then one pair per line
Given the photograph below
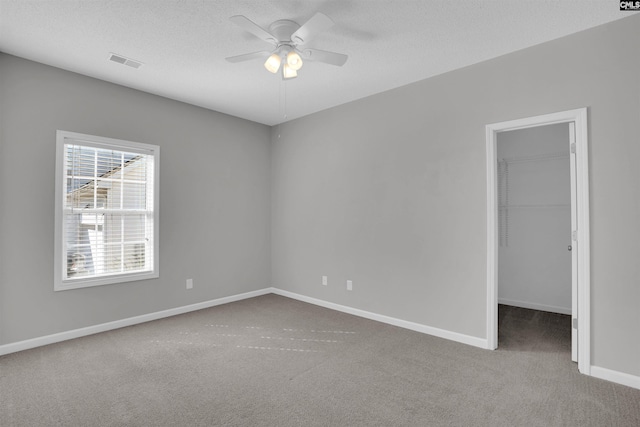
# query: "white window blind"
x,y
107,214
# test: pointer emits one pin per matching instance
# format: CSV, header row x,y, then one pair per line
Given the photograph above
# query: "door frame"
x,y
579,117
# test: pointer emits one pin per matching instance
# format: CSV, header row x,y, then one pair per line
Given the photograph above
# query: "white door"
x,y
573,245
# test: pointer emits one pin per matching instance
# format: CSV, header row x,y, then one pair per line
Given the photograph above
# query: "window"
x,y
106,211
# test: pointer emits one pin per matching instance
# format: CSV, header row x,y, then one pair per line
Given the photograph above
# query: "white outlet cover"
x,y
325,281
189,283
349,285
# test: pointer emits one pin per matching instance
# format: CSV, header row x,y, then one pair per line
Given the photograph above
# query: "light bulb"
x,y
273,63
294,60
288,72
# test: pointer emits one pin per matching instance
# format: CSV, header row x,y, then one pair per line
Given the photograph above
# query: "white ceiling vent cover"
x,y
126,61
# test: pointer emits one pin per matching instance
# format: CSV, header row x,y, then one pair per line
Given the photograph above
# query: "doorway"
x,y
534,238
576,120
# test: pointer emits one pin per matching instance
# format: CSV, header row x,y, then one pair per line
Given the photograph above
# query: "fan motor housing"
x,y
283,29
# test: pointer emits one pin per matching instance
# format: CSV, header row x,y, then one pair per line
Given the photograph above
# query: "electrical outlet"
x,y
325,281
189,283
349,285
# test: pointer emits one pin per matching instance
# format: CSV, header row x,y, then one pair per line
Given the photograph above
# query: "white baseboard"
x,y
429,330
103,327
616,377
535,306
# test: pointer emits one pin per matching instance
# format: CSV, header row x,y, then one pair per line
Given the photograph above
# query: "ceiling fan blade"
x,y
332,58
250,26
248,56
317,24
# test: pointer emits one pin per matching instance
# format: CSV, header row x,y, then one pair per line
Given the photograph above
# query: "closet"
x,y
534,218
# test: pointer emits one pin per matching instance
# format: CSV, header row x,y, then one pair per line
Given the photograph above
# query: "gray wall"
x,y
390,190
534,220
214,199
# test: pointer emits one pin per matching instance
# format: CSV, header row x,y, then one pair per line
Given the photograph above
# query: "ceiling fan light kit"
x,y
287,36
292,64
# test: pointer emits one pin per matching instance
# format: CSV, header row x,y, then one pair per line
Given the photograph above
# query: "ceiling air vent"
x,y
126,61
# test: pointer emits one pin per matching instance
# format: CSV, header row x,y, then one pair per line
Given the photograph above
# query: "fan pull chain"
x,y
282,103
284,86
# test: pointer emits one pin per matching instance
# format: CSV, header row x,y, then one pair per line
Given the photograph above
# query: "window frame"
x,y
60,257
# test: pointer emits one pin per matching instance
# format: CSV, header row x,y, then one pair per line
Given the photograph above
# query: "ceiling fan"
x,y
289,40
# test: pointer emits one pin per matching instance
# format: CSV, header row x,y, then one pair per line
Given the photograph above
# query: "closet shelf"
x,y
546,206
538,158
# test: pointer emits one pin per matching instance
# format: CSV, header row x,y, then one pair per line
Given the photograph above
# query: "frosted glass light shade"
x,y
294,61
288,72
273,63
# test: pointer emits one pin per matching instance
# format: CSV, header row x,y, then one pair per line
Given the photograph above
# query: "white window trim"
x,y
60,258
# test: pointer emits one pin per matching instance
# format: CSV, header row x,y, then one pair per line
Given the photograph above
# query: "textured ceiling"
x,y
183,43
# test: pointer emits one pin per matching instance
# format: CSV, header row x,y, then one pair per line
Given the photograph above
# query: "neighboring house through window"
x,y
106,211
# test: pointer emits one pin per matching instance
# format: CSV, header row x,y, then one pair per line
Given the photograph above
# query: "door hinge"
x,y
573,148
575,323
574,236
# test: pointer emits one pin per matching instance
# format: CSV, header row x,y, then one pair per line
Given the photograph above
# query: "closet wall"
x,y
534,197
